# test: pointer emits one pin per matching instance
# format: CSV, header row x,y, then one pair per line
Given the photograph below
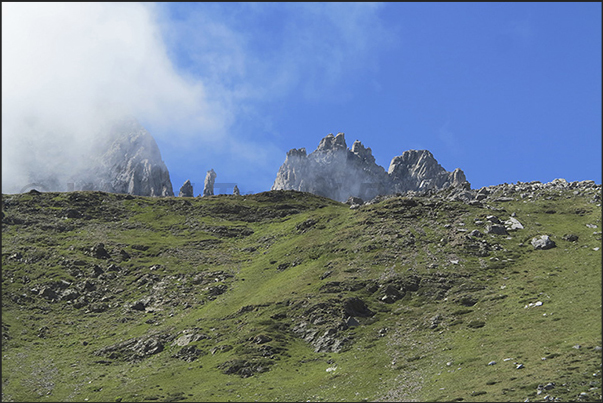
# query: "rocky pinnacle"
x,y
208,187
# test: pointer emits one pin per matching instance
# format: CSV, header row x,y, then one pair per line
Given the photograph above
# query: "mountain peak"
x,y
331,142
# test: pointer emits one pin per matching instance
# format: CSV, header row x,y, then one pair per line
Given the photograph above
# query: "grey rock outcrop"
x,y
542,242
131,163
186,190
126,159
335,171
418,170
236,191
208,186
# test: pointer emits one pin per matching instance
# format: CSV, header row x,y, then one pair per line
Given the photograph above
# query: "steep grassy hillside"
x,y
287,296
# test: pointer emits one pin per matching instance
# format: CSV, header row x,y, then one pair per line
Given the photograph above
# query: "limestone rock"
x,y
542,242
208,186
419,170
335,171
513,224
119,156
186,190
132,163
123,158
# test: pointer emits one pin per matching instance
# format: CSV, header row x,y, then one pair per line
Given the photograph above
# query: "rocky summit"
x,y
132,163
126,159
336,172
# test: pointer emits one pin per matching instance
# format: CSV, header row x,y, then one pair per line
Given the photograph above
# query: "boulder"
x,y
98,251
496,229
354,306
542,242
513,224
570,237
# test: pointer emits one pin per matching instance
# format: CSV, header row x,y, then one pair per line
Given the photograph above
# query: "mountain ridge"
x,y
335,171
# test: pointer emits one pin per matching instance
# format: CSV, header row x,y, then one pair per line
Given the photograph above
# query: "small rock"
x,y
352,200
261,339
492,363
493,219
570,237
476,233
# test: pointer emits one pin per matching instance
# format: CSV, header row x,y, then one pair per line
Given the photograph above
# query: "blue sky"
x,y
505,91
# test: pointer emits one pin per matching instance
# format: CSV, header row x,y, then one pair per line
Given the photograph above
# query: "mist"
x,y
69,70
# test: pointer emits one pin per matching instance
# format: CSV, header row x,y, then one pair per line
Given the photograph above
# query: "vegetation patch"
x,y
289,296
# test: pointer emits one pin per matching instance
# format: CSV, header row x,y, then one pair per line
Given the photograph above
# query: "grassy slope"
x,y
280,248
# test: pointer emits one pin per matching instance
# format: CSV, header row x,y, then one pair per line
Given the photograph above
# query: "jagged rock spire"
x,y
335,171
208,186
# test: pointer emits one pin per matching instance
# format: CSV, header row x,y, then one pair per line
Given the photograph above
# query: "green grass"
x,y
234,268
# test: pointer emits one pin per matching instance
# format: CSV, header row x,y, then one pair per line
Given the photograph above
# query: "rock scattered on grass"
x,y
542,242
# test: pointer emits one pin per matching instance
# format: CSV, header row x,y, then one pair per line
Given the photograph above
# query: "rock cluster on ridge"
x,y
336,172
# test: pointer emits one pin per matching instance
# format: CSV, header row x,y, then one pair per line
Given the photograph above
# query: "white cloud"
x,y
69,67
72,66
